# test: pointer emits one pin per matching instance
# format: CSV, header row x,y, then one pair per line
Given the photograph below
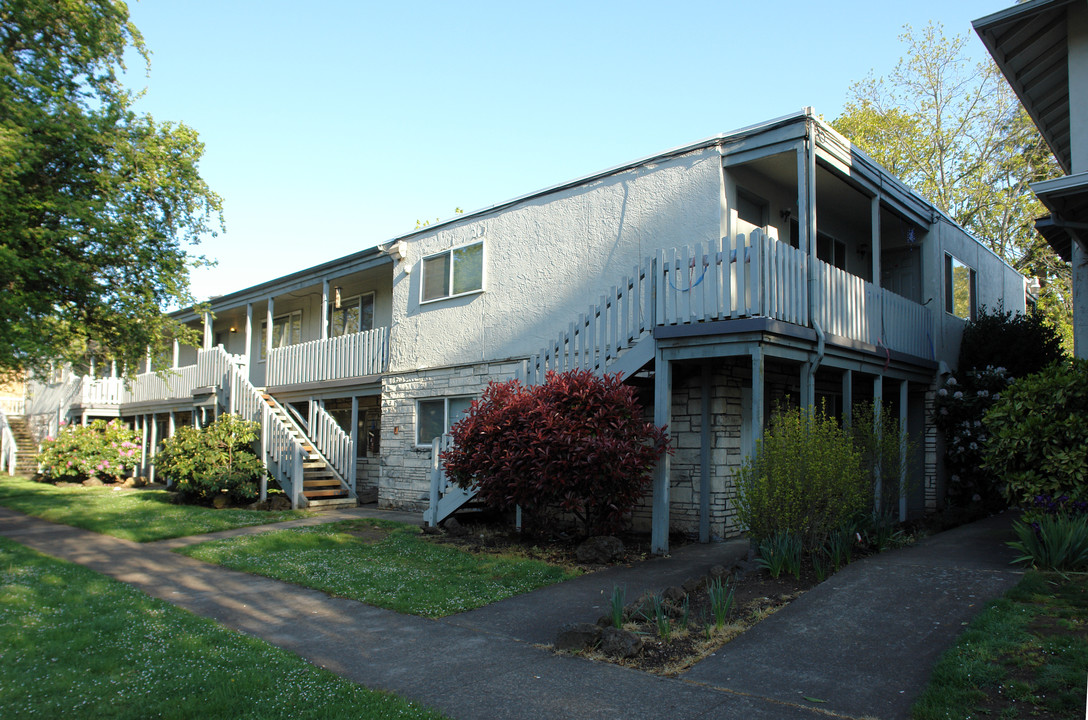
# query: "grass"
x,y
138,515
1025,656
74,643
382,563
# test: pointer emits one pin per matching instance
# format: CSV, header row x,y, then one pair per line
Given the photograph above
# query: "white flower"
x,y
958,395
950,381
1000,370
944,411
978,423
942,392
955,478
973,446
983,393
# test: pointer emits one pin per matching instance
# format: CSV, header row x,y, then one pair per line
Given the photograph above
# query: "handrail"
x,y
348,356
332,443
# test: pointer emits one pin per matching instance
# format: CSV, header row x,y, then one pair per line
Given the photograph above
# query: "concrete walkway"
x,y
863,641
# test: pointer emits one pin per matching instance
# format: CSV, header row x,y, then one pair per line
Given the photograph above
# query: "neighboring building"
x,y
777,252
1042,48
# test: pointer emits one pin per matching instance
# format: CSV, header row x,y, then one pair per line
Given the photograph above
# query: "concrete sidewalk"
x,y
864,641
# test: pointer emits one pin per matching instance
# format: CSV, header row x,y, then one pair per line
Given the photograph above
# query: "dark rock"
x,y
718,571
604,621
600,550
694,584
619,643
220,501
93,482
431,530
454,528
673,594
278,502
577,636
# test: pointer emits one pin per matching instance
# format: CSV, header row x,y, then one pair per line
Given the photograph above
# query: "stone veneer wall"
x,y
404,480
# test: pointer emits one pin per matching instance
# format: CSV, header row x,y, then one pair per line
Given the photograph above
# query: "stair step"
x,y
325,493
320,480
331,503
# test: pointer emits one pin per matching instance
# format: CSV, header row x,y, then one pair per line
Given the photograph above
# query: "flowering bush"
x,y
106,450
958,412
214,460
1023,344
1039,435
577,441
805,479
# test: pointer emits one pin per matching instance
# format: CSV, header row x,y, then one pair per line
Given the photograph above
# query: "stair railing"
x,y
332,443
281,451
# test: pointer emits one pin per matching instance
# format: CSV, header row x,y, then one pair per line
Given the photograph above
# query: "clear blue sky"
x,y
332,126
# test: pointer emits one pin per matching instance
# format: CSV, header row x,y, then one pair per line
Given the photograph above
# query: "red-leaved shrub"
x,y
577,442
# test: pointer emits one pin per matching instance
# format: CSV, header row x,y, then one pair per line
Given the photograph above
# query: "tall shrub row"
x,y
104,450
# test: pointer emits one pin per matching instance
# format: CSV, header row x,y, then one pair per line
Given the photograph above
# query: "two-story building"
x,y
720,277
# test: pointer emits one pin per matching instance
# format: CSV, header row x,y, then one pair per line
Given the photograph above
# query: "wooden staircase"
x,y
322,487
26,462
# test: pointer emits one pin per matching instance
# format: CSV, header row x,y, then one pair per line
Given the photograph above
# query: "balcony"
x,y
350,356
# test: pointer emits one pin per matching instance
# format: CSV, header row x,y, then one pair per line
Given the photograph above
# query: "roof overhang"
x,y
1029,44
1067,200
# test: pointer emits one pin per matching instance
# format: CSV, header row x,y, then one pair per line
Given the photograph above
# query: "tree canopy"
x,y
954,131
99,204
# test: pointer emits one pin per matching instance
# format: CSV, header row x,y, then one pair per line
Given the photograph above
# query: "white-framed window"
x,y
459,271
751,208
435,416
286,330
959,288
355,314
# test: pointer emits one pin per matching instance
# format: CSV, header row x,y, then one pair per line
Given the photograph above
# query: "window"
x,y
355,314
455,272
436,416
830,250
751,209
959,288
286,330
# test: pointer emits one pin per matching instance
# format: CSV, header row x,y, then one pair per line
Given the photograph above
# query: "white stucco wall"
x,y
549,258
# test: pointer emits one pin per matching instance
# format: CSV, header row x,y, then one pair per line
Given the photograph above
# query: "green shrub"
x,y
1038,434
881,450
1053,542
1022,344
805,478
780,553
106,450
214,460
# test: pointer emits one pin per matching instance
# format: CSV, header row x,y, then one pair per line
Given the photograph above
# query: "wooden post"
x,y
175,359
92,367
154,448
903,398
353,460
296,479
208,334
268,334
147,359
705,439
755,420
847,398
659,523
264,450
249,338
875,245
325,309
878,409
808,387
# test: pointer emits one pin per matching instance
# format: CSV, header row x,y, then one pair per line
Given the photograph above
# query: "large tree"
x,y
953,130
99,204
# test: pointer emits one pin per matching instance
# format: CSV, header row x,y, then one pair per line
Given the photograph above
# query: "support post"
x,y
704,455
875,242
296,479
249,337
878,411
353,461
175,358
264,450
208,334
659,536
153,450
808,387
755,434
903,398
847,398
171,428
325,309
268,334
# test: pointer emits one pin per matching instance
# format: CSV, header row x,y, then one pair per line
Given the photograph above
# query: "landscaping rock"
x,y
277,503
134,482
220,501
695,584
619,643
673,594
431,529
454,528
577,636
93,482
719,571
600,550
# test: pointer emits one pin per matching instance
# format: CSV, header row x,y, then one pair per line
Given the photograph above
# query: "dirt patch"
x,y
368,534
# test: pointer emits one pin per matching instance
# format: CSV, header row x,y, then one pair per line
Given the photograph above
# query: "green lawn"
x,y
1025,656
382,563
76,644
139,515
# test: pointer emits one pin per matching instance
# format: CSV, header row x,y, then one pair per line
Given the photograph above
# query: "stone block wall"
x,y
404,479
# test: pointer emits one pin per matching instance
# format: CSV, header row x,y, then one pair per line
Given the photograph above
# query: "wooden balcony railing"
x,y
348,356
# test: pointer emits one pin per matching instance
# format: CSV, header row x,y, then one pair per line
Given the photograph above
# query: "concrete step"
x,y
331,503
